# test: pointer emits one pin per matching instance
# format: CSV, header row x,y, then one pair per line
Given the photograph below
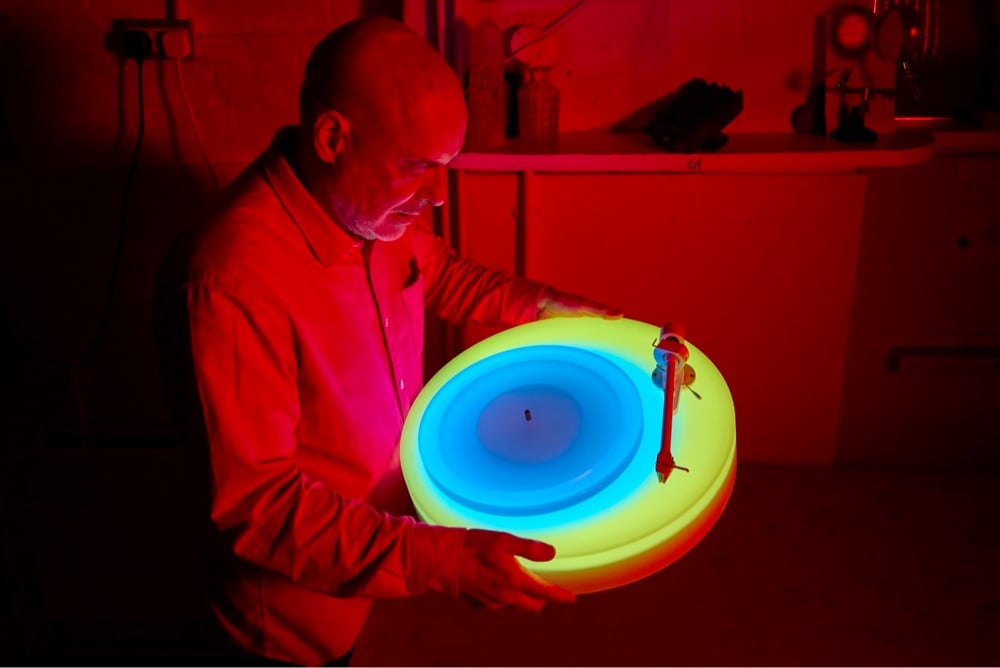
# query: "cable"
x,y
194,124
90,353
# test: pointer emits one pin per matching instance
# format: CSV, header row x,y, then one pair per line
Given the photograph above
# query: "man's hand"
x,y
556,304
491,578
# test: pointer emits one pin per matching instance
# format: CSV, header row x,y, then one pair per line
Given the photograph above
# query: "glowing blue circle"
x,y
531,430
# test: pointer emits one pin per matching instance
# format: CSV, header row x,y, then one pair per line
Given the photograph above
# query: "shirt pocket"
x,y
413,306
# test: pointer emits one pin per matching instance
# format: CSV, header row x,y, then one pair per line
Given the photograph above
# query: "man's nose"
x,y
434,189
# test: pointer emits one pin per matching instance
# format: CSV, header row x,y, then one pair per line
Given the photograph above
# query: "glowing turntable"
x,y
552,430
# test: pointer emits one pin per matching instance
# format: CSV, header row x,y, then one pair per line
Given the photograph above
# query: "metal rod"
x,y
665,460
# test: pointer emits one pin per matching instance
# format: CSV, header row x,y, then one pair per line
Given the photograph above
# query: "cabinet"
x,y
922,382
754,248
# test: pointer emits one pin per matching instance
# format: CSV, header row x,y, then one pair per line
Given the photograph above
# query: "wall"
x,y
70,126
614,58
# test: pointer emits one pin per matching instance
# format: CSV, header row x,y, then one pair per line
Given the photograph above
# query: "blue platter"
x,y
531,430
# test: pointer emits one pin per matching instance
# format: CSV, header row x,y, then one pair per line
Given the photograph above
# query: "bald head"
x,y
376,70
381,114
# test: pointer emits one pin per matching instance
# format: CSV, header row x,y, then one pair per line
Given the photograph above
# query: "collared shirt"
x,y
307,353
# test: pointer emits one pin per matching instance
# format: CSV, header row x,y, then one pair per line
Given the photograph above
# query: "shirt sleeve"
x,y
274,515
462,291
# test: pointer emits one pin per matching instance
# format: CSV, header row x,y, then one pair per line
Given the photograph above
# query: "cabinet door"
x,y
923,383
760,269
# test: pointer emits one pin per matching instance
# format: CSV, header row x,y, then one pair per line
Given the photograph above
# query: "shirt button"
x,y
402,384
387,323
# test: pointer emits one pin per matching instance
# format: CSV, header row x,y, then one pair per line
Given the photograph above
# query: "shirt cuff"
x,y
435,558
527,299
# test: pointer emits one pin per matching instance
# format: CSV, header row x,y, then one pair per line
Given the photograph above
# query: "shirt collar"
x,y
326,239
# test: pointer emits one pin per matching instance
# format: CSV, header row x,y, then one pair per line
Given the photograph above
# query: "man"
x,y
303,304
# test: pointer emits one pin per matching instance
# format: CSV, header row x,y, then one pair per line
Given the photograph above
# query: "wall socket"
x,y
170,39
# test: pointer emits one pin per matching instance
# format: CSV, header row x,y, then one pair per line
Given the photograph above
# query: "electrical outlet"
x,y
169,39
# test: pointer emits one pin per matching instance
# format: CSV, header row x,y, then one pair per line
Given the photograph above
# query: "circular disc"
x,y
580,474
531,430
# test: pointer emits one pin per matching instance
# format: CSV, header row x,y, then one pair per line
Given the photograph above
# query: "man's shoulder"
x,y
247,225
236,246
247,198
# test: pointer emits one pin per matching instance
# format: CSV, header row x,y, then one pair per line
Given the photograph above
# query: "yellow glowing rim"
x,y
635,526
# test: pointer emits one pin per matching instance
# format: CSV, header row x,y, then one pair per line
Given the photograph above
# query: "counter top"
x,y
743,154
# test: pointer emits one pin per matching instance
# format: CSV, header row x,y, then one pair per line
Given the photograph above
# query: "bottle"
x,y
487,107
538,107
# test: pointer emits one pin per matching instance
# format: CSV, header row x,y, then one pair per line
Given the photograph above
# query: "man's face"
x,y
389,175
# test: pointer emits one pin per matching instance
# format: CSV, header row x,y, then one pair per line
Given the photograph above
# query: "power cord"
x,y
137,47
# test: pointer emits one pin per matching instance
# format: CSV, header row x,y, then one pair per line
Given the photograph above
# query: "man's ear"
x,y
331,134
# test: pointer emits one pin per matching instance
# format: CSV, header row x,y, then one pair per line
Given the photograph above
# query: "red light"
x,y
913,32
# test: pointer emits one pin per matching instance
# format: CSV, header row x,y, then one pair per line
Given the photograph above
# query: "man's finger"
x,y
608,313
533,550
536,586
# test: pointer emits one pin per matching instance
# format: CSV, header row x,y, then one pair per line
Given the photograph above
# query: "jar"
x,y
538,107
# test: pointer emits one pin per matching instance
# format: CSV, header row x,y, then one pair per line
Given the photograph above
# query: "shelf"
x,y
955,138
742,154
967,142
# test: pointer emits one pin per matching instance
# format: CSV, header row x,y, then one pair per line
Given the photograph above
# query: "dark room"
x,y
500,332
